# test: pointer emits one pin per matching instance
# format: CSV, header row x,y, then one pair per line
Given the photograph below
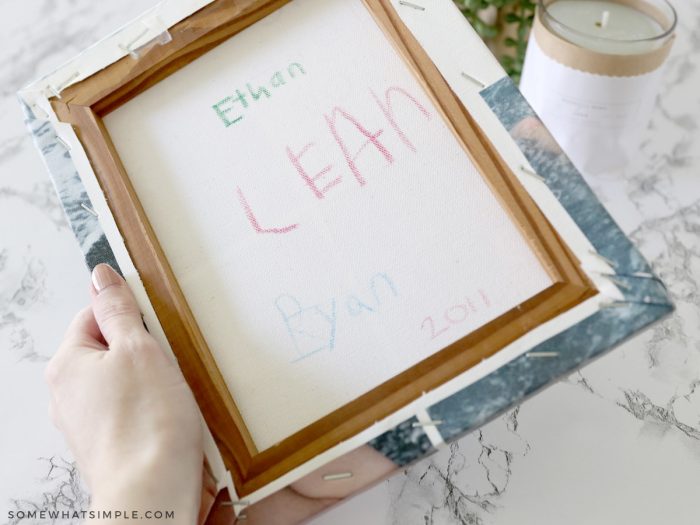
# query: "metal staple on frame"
x,y
411,4
56,90
337,476
240,503
431,423
63,143
35,108
129,46
473,79
532,173
542,354
614,303
88,209
613,278
597,255
152,24
635,275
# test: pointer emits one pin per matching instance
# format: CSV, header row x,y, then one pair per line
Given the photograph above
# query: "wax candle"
x,y
604,26
592,72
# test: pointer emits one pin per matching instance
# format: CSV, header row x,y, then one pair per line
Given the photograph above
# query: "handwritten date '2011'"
x,y
455,315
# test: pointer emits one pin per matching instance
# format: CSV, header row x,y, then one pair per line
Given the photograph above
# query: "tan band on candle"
x,y
583,59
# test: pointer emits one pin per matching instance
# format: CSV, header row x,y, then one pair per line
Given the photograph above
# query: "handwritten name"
x,y
312,328
230,109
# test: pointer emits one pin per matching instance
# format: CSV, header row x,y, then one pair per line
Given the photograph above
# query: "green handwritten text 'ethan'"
x,y
231,109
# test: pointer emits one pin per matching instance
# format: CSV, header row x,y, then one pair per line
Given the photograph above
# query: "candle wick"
x,y
604,19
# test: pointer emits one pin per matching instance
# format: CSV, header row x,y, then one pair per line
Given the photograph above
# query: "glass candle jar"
x,y
592,73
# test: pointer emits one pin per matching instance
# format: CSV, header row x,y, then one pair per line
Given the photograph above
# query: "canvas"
x,y
365,244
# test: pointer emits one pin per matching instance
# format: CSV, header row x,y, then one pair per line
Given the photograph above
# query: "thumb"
x,y
114,306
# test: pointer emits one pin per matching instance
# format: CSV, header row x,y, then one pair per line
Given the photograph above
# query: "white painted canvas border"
x,y
445,35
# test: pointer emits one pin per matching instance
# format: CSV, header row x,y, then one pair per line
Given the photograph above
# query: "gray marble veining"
x,y
61,491
641,401
73,197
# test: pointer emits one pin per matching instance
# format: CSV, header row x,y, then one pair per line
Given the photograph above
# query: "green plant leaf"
x,y
518,13
484,29
512,18
522,32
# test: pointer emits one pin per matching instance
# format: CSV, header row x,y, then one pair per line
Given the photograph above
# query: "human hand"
x,y
125,409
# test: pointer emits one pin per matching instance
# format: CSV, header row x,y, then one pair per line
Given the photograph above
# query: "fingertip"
x,y
114,306
104,276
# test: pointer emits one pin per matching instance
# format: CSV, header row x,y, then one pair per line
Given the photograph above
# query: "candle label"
x,y
598,120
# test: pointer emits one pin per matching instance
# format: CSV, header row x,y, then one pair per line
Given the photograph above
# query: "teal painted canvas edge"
x,y
646,299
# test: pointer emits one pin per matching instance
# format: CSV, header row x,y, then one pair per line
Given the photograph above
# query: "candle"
x,y
604,26
592,71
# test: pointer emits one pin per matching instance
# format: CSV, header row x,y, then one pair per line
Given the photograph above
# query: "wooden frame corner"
x,y
85,104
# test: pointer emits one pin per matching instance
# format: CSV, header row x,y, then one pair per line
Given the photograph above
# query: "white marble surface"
x,y
618,442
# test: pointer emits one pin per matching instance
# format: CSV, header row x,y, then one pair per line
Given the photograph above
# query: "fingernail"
x,y
103,276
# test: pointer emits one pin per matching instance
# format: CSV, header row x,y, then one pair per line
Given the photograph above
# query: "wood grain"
x,y
85,103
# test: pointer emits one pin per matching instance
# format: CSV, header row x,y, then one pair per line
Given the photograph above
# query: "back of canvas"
x,y
325,226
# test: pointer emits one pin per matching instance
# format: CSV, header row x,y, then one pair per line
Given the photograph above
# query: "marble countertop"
x,y
617,442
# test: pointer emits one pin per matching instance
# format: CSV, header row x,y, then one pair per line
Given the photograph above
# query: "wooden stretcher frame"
x,y
85,103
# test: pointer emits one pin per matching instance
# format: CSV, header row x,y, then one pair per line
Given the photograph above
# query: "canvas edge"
x,y
645,298
79,209
392,443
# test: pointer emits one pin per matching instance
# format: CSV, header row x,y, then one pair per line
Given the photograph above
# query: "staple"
x,y
475,80
613,304
602,258
63,143
643,275
618,282
637,275
432,423
618,304
613,278
647,275
36,108
337,476
240,503
411,4
56,90
128,47
542,354
528,171
88,209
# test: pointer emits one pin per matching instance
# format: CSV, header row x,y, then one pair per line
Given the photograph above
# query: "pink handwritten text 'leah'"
x,y
321,181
